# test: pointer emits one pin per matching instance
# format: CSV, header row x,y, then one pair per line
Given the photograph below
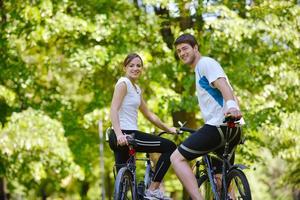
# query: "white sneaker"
x,y
155,194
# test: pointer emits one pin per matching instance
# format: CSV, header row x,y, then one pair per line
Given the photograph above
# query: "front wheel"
x,y
123,185
237,186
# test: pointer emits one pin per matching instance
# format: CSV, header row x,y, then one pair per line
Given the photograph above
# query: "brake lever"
x,y
182,124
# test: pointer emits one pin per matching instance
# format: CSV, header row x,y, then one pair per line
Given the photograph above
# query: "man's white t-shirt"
x,y
210,99
128,112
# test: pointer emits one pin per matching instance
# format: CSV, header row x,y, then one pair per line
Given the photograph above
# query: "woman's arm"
x,y
118,96
154,119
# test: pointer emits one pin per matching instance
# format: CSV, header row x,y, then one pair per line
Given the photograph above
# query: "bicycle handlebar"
x,y
131,141
161,133
185,129
230,119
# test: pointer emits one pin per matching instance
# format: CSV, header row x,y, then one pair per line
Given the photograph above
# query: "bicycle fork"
x,y
132,168
211,177
225,158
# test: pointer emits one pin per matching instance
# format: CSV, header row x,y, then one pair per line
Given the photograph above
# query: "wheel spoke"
x,y
123,185
238,186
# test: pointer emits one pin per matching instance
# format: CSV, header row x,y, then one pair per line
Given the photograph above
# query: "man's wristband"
x,y
231,104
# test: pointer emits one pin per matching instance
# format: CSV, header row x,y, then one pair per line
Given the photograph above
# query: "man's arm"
x,y
232,105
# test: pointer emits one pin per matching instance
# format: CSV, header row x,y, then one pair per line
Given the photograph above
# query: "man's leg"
x,y
185,175
204,140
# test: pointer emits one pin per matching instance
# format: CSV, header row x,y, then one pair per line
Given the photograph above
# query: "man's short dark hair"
x,y
186,38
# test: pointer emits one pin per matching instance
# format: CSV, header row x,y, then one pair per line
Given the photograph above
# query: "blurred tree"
x,y
64,57
35,154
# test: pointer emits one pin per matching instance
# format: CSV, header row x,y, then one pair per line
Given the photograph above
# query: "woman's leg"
x,y
120,152
154,144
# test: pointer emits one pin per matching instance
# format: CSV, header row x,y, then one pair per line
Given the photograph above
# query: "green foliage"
x,y
8,96
35,152
262,62
62,58
8,100
283,140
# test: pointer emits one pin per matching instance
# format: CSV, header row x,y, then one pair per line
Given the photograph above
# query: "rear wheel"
x,y
123,185
237,186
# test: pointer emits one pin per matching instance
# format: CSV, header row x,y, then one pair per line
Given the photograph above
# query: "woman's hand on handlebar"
x,y
121,140
172,130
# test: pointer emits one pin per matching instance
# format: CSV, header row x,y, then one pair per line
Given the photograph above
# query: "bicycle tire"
x,y
148,176
123,189
238,185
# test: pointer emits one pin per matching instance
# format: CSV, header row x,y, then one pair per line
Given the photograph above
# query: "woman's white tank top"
x,y
128,112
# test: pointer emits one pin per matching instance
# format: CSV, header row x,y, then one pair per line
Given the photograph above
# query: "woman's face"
x,y
134,68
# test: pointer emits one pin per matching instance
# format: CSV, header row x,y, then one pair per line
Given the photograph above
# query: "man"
x,y
216,99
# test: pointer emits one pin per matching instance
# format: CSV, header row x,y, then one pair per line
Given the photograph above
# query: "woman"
x,y
127,99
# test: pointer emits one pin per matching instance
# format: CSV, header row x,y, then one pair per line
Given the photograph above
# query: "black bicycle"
x,y
234,184
126,186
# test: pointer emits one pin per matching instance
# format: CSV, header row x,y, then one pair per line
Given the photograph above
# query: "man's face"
x,y
186,53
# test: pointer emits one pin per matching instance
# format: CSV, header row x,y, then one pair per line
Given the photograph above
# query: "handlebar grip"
x,y
161,133
188,129
131,141
229,118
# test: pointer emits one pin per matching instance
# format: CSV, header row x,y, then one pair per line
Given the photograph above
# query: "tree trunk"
x,y
109,189
44,194
3,16
165,29
84,189
183,116
2,189
296,194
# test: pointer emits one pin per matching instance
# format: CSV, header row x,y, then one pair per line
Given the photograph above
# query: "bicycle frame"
x,y
211,176
226,165
148,175
131,166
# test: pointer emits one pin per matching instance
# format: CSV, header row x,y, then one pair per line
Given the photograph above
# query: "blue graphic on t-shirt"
x,y
215,93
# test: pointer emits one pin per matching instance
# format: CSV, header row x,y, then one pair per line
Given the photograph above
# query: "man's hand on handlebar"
x,y
234,113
